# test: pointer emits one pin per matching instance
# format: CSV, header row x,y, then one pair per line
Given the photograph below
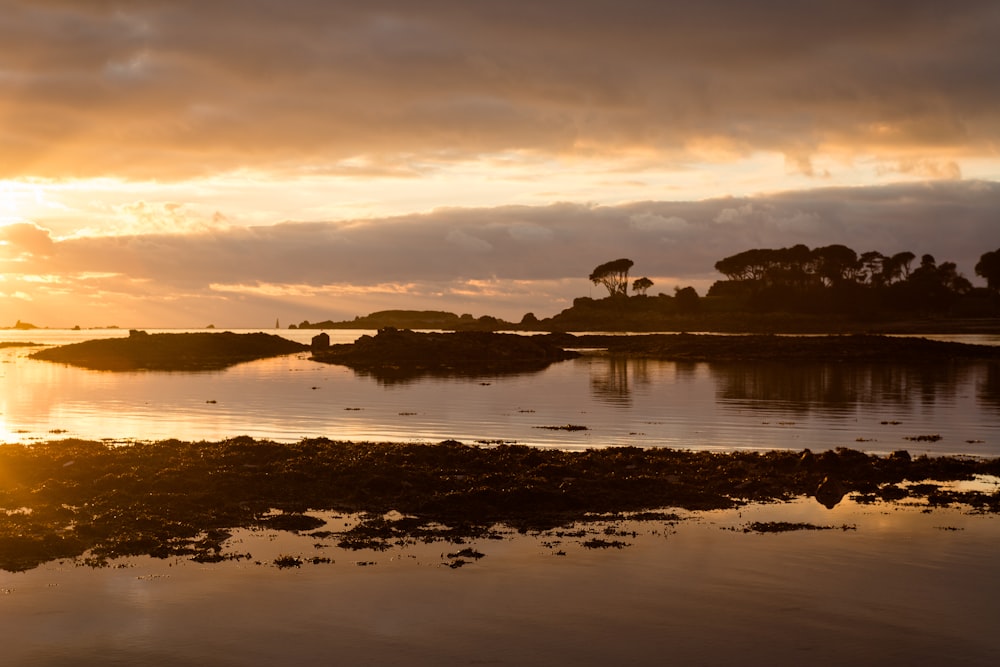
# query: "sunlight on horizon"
x,y
120,206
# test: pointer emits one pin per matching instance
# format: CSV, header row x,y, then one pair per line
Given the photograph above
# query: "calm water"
x,y
901,587
619,401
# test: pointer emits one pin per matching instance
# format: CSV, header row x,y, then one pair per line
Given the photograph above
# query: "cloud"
x,y
467,242
652,222
24,238
502,261
176,89
924,168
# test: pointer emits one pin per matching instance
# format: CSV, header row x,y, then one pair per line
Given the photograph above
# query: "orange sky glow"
x,y
172,163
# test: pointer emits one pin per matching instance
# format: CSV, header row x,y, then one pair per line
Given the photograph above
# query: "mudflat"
x,y
94,500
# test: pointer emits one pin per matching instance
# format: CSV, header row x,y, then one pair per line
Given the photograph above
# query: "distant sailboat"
x,y
277,324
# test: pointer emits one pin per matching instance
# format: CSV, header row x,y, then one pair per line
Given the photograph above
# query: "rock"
x,y
320,342
401,354
830,492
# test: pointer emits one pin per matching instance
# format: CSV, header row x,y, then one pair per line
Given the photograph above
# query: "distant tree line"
x,y
827,280
836,278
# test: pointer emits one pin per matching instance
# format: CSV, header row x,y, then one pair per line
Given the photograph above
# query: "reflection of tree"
x,y
393,375
686,370
610,380
613,380
836,387
988,387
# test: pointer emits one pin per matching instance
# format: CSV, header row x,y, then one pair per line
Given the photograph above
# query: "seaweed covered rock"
x,y
168,499
170,351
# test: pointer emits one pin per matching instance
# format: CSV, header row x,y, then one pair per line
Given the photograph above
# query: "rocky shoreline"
x,y
97,501
395,355
784,348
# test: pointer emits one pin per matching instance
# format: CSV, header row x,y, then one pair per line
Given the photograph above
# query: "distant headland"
x,y
830,289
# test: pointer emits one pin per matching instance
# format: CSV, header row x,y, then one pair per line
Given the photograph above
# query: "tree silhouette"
x,y
686,300
640,285
988,267
836,264
897,267
613,275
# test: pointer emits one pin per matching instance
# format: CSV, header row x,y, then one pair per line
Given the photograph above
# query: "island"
x,y
170,351
398,354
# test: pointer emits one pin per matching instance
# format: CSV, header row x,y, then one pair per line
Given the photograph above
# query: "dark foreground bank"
x,y
73,498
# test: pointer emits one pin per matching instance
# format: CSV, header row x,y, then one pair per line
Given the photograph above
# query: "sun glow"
x,y
19,201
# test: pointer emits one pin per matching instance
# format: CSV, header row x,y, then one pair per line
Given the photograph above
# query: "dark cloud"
x,y
551,244
180,88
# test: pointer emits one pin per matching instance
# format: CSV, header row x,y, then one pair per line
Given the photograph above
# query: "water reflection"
x,y
610,383
802,388
397,375
621,401
988,386
614,378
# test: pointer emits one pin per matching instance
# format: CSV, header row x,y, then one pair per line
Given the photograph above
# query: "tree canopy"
x,y
828,265
640,285
613,275
835,278
989,267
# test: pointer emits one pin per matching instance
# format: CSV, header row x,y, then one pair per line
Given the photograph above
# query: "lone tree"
x,y
640,285
613,275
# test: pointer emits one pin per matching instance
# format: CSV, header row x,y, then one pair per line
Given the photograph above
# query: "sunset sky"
x,y
181,163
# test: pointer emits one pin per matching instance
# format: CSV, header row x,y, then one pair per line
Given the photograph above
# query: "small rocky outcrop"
x,y
395,353
320,342
830,492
